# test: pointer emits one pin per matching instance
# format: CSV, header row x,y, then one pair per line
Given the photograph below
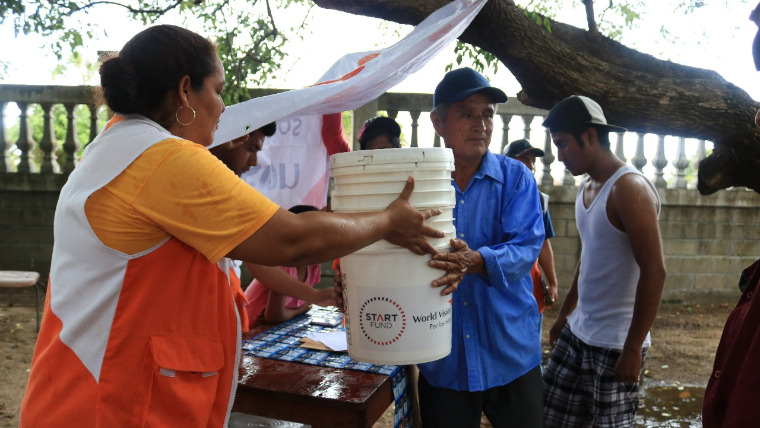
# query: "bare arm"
x,y
632,207
275,312
546,263
277,280
571,301
313,237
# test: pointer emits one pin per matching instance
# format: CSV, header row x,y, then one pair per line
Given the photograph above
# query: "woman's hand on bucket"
x,y
408,224
457,263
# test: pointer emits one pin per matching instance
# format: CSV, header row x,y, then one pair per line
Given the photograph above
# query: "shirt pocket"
x,y
186,372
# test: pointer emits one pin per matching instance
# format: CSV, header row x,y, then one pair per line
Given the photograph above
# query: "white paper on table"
x,y
335,340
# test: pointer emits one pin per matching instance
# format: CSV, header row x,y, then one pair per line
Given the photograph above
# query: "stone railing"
x,y
707,239
677,160
54,156
680,166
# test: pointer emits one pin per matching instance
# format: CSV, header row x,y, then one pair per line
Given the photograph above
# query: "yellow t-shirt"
x,y
177,188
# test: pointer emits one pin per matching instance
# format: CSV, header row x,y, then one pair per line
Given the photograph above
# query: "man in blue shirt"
x,y
494,365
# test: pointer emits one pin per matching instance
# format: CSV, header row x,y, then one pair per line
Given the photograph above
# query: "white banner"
x,y
293,166
381,71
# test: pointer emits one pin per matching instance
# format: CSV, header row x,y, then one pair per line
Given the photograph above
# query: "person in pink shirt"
x,y
239,155
272,300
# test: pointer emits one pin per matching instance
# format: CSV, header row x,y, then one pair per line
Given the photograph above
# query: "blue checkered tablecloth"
x,y
282,342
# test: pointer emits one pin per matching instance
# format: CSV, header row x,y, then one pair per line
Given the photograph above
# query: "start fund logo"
x,y
382,320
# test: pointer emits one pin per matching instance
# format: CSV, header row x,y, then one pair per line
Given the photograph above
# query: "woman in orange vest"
x,y
140,327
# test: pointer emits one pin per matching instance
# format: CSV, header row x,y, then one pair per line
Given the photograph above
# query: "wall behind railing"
x,y
707,239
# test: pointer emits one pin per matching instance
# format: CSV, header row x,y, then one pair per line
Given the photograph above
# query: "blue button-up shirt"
x,y
495,337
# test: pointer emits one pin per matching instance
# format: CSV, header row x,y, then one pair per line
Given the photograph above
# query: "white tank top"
x,y
609,274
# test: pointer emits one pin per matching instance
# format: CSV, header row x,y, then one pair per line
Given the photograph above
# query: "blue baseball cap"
x,y
461,83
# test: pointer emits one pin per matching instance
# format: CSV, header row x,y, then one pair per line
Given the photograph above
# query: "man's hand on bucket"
x,y
457,263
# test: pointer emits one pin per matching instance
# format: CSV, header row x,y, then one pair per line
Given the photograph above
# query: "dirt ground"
x,y
684,339
17,337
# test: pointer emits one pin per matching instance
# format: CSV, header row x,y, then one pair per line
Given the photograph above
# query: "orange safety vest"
x,y
144,340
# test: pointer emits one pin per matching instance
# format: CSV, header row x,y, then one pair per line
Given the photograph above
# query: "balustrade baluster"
x,y
619,152
639,160
505,119
681,164
415,124
527,120
701,153
547,179
3,139
436,140
47,143
660,162
71,145
93,122
25,142
568,179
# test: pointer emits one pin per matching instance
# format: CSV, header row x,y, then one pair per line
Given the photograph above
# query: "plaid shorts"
x,y
580,389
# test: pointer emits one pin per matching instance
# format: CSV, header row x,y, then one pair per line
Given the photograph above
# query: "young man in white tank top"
x,y
601,335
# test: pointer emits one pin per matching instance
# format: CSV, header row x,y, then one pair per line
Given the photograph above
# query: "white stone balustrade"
x,y
671,162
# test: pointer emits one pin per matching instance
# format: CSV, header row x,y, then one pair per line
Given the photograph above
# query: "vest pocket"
x,y
185,378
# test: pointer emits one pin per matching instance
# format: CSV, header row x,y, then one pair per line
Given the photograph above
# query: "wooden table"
x,y
318,396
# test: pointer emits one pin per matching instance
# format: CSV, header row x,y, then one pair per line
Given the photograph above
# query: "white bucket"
x,y
394,315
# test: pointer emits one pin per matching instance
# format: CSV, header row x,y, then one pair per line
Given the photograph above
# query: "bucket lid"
x,y
392,156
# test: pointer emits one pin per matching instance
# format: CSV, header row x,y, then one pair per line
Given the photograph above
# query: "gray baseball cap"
x,y
575,111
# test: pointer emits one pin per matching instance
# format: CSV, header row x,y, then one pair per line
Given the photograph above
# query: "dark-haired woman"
x,y
140,328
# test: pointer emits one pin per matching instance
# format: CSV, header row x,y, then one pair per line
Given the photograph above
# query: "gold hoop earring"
x,y
176,115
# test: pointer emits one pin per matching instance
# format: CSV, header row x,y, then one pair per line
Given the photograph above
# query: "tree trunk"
x,y
636,90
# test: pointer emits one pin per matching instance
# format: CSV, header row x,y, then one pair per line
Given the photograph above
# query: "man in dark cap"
x,y
523,151
494,365
545,278
601,334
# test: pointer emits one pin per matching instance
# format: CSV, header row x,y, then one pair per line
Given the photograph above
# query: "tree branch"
x,y
136,11
636,90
